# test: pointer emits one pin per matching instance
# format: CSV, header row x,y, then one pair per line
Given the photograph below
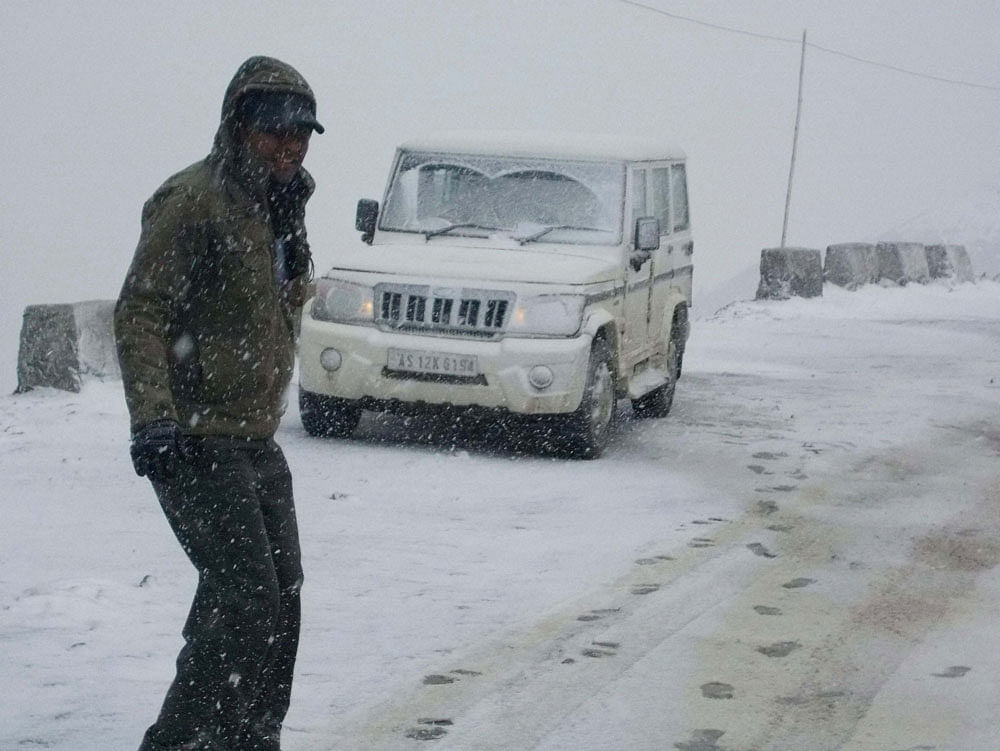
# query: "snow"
x,y
557,145
866,418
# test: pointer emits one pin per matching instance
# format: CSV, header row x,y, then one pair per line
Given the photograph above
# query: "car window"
x,y
679,194
638,195
661,197
561,201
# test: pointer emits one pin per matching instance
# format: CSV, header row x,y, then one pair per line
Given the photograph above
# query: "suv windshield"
x,y
531,200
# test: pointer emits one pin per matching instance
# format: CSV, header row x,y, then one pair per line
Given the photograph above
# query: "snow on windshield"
x,y
529,199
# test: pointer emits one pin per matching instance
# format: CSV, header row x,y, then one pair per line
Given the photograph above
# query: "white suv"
x,y
527,274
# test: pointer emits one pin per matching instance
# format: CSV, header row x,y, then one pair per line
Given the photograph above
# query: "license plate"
x,y
439,363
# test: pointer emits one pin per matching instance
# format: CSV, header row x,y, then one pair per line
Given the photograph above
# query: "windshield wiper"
x,y
461,225
546,230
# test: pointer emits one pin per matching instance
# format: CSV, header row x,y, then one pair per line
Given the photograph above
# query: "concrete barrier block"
x,y
47,355
851,265
962,263
96,352
790,272
949,262
62,344
902,262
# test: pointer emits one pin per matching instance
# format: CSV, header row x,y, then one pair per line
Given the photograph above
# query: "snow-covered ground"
x,y
812,532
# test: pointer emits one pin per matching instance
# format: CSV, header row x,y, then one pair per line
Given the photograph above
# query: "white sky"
x,y
104,100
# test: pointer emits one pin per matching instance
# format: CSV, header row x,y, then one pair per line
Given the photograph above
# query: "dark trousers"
x,y
231,508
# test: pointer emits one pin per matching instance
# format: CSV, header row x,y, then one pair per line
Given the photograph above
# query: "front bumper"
x,y
503,367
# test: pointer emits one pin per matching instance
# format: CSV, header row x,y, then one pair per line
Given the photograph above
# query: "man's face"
x,y
280,151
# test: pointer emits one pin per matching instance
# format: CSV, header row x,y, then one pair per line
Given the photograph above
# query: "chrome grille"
x,y
462,312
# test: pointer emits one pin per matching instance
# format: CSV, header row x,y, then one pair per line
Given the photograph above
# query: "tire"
x,y
657,403
328,416
585,431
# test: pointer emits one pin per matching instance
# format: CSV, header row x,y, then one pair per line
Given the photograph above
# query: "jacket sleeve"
x,y
147,314
290,209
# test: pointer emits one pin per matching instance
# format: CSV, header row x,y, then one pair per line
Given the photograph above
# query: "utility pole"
x,y
795,140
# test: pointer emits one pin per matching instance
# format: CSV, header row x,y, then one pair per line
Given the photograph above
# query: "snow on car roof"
x,y
584,146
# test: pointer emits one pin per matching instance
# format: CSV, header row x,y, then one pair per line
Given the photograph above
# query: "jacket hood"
x,y
257,74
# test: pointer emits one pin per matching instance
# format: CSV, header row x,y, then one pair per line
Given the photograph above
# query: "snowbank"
x,y
930,302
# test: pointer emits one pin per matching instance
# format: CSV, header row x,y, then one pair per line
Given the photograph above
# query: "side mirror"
x,y
647,239
364,221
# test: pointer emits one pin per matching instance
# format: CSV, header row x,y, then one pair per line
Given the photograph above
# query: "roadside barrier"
x,y
790,272
793,272
850,265
902,263
60,344
949,262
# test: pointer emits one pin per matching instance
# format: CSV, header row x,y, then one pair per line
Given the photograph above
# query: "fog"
x,y
104,100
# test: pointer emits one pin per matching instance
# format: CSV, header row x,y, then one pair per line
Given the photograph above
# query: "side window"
x,y
679,193
661,197
638,195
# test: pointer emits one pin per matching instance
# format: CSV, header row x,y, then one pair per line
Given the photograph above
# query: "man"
x,y
204,334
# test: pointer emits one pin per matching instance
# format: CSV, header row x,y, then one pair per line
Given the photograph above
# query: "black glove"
x,y
158,450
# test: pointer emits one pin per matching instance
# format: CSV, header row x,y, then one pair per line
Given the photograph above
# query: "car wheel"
x,y
657,403
586,430
328,416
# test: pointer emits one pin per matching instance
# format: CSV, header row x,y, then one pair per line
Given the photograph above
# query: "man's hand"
x,y
158,450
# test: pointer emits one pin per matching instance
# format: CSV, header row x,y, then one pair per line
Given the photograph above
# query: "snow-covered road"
x,y
801,556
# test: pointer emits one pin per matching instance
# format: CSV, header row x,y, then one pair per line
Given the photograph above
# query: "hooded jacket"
x,y
203,324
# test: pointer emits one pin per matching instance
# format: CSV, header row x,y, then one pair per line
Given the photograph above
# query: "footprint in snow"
x,y
798,583
779,649
645,589
955,671
770,455
715,690
702,740
758,549
766,610
602,649
426,733
766,508
438,680
596,615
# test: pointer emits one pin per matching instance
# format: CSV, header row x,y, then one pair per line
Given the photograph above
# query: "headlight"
x,y
343,302
547,315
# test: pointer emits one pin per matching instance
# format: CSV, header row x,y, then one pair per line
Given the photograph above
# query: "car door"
x,y
659,200
681,237
637,286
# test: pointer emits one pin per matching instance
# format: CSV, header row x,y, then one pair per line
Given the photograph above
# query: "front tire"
x,y
327,416
586,430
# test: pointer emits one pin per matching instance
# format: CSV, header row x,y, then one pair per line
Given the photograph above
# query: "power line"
x,y
812,45
887,66
720,27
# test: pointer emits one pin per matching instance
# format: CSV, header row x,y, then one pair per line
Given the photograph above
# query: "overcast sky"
x,y
103,100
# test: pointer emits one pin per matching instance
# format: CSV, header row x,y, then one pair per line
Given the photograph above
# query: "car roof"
x,y
581,146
